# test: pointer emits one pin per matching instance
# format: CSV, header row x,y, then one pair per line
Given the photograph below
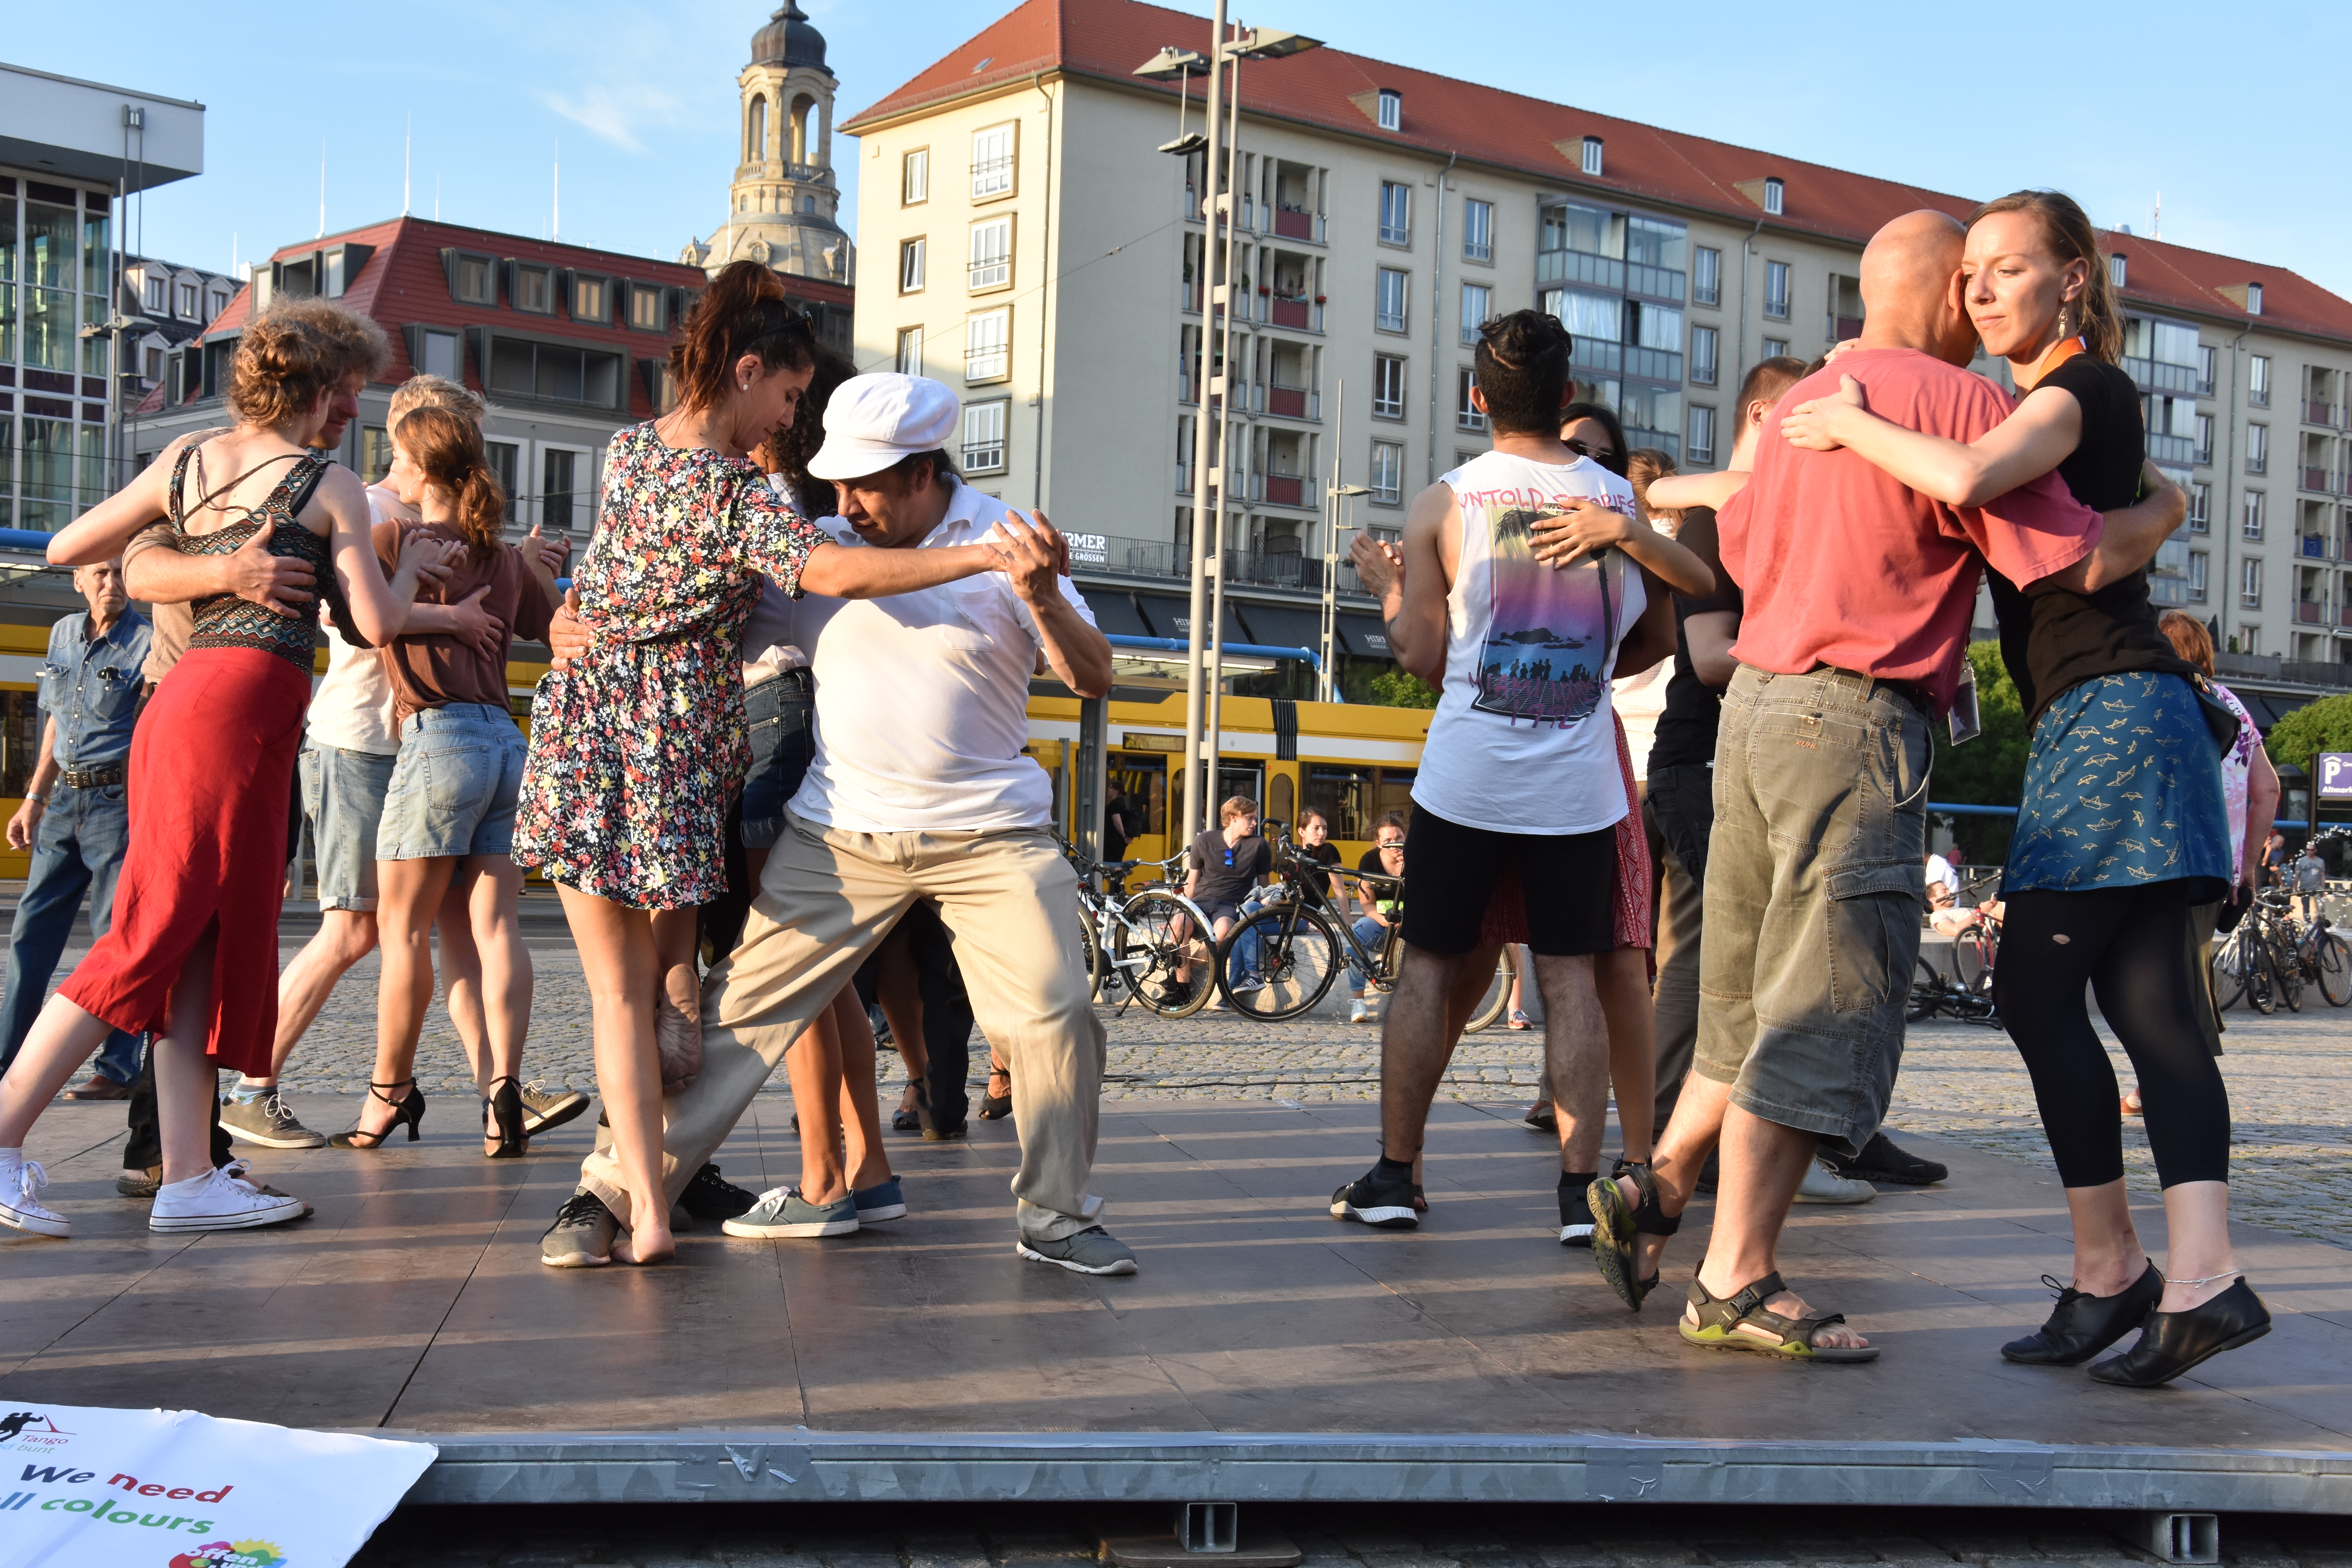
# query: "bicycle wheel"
x,y
1972,959
2333,961
1292,953
2262,983
1090,949
2287,965
1927,993
2230,971
1149,949
1498,992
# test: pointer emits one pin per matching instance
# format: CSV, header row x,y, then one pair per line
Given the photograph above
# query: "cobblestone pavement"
x,y
1486,1536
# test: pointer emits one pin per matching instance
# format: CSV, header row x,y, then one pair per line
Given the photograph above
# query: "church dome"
x,y
788,39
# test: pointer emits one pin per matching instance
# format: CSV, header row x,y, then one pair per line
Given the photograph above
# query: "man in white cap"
x,y
918,790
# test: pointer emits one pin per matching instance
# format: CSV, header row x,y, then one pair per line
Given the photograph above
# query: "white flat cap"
x,y
871,422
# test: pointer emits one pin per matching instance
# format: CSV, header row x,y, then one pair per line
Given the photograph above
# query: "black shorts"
x,y
1568,882
1218,910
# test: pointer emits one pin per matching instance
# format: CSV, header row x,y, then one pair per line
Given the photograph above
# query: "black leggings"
x,y
2128,944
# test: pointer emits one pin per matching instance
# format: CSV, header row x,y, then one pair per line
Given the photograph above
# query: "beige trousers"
x,y
825,901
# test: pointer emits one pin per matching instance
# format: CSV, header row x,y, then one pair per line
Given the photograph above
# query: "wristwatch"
x,y
36,798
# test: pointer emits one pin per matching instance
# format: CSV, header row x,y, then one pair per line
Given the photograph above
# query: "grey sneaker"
x,y
268,1122
543,1109
1091,1251
782,1211
582,1235
1823,1185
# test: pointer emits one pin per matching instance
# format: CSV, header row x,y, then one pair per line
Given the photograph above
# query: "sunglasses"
x,y
1392,843
1577,446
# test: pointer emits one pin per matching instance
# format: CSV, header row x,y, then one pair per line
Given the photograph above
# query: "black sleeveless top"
x,y
2052,638
226,621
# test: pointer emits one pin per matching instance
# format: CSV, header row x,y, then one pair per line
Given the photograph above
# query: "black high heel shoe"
x,y
2082,1325
908,1119
997,1106
2175,1341
505,1108
408,1109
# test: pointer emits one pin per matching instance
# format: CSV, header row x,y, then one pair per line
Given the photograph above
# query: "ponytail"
x,y
447,448
742,312
2071,239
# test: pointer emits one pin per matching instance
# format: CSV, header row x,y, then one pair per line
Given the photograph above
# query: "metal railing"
x,y
1578,267
1655,282
2318,479
2165,448
2317,413
2161,375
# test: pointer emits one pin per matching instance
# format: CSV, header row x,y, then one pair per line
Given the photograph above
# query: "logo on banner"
x,y
24,1429
232,1554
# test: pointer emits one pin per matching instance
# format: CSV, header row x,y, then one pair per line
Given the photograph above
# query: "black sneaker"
x,y
1881,1161
711,1196
1381,1203
582,1235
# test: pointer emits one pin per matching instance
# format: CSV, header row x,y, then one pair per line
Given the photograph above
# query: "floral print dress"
x,y
637,749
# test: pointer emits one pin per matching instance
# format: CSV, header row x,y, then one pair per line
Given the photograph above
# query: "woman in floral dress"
x,y
637,748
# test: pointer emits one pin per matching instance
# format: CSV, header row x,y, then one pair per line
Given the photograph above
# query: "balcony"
x,y
1297,223
1655,282
2309,613
2158,375
2315,413
1844,328
2315,547
1665,441
2162,448
1283,490
2343,614
1292,402
2318,479
1300,314
1655,364
1594,354
1578,267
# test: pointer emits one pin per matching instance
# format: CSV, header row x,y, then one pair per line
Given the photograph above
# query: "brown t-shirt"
x,y
435,669
175,624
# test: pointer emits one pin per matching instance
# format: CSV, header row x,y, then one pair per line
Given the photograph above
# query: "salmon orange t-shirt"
x,y
1844,564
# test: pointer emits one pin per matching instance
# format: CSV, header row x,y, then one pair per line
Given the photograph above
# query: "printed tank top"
x,y
226,621
1523,739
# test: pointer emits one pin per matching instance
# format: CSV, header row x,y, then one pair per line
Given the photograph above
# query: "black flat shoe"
x,y
908,1119
2082,1324
1881,1161
2175,1341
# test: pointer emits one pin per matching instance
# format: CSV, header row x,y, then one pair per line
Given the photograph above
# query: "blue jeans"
x,y
1373,935
454,786
78,849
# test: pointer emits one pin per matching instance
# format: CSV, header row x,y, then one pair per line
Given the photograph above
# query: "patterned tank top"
x,y
226,621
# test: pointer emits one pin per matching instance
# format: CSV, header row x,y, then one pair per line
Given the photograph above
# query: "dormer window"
x,y
151,292
2120,270
1391,110
1592,156
2254,298
1774,195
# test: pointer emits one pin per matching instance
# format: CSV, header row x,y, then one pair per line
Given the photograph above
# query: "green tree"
x,y
1989,770
2321,726
1402,689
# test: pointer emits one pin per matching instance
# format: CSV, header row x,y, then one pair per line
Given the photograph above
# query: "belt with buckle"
x,y
91,778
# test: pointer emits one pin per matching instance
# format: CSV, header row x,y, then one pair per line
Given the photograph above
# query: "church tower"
x,y
783,202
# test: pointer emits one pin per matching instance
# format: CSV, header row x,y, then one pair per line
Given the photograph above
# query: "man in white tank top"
x,y
1507,595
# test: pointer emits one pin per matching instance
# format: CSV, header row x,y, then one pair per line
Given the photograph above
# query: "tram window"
x,y
1142,782
1278,798
1344,796
1396,792
20,742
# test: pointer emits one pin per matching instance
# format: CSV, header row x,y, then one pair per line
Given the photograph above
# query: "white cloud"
x,y
618,115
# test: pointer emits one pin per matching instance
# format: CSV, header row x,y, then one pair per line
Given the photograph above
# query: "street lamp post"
x,y
1340,496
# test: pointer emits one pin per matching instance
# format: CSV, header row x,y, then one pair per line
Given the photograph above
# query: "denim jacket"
x,y
91,689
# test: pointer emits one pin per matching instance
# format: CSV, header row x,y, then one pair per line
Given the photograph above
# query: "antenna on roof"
x,y
555,211
408,147
2156,228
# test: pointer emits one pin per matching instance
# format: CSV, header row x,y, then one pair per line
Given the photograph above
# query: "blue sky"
x,y
2234,112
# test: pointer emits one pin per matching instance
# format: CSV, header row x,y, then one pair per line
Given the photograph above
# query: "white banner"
x,y
84,1488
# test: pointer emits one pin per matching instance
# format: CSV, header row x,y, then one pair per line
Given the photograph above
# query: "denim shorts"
x,y
454,786
342,795
781,713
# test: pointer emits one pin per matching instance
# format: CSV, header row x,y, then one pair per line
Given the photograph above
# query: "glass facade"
x,y
55,262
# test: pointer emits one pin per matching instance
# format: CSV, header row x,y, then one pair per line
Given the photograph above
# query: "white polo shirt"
x,y
922,698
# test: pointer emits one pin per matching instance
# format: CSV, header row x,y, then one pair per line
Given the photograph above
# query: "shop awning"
x,y
1366,637
1115,614
1284,626
1172,617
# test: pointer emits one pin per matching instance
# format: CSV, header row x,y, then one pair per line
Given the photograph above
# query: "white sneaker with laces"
x,y
1823,1185
220,1200
19,1179
1356,1012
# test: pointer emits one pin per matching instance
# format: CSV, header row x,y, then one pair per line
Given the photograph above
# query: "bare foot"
x,y
648,1244
1788,1304
678,1028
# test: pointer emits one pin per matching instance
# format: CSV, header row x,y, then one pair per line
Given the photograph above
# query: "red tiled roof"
x,y
1109,39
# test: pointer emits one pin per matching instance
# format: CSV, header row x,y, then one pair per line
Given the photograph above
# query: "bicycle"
x,y
1133,946
1280,960
1976,947
1933,994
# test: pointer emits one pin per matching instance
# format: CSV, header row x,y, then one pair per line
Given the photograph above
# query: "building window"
x,y
504,457
441,355
1388,472
2251,524
154,362
910,350
1776,290
1388,386
987,350
2200,508
1776,348
591,299
2250,582
1706,277
1701,433
1776,195
2258,448
1590,162
2205,438
552,373
1396,213
2258,381
983,435
559,487
648,311
911,266
534,290
1478,231
991,254
470,280
2120,270
2249,640
375,454
188,300
2200,569
915,177
992,162
1702,356
151,289
219,302
2206,354
1388,307
1477,305
1391,110
1467,414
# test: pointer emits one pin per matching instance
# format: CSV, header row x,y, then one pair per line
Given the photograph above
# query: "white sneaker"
x,y
19,1179
1356,1012
220,1200
1823,1185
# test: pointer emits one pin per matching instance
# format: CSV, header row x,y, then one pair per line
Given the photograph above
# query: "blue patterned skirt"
x,y
2123,787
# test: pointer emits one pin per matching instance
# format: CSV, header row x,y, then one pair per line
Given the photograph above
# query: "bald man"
x,y
1859,593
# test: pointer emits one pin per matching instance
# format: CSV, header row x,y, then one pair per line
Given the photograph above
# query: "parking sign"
x,y
2336,775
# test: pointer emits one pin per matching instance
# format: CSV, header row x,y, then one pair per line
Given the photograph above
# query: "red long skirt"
x,y
212,763
1628,893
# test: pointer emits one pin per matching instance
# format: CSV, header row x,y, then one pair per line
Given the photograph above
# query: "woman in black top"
x,y
2123,826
